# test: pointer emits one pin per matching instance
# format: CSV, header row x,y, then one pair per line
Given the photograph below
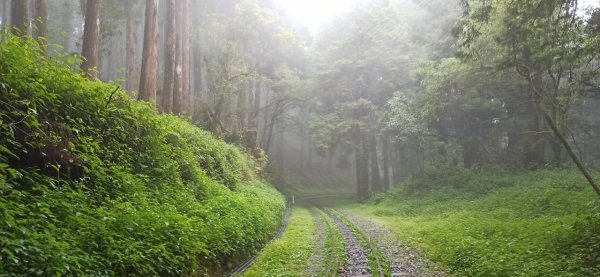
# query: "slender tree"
x,y
150,52
385,143
178,82
185,68
19,18
166,99
131,48
91,39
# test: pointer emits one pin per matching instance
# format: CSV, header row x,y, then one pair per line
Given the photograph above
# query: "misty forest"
x,y
299,138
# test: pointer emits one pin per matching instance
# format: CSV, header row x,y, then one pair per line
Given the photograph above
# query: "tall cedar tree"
x,y
131,46
166,99
91,39
177,85
150,53
185,67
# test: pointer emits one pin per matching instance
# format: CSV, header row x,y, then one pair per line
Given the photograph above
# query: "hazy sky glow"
x,y
315,13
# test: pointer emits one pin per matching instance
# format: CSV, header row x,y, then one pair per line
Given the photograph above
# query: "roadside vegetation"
x,y
289,254
495,223
93,183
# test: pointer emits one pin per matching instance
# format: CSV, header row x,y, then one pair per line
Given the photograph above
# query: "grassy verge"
x,y
544,223
289,254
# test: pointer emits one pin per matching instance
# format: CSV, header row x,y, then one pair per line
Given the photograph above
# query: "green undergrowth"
x,y
494,223
289,254
93,183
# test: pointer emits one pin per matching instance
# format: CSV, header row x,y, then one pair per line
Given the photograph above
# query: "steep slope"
x,y
93,183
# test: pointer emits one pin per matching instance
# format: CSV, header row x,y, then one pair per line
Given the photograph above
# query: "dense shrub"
x,y
93,183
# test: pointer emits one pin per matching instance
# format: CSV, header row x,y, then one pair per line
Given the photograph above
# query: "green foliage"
x,y
542,223
288,255
93,183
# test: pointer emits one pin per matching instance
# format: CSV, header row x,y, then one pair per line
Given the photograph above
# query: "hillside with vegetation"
x,y
93,183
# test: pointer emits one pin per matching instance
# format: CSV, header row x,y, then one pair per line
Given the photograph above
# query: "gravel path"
x,y
404,260
357,263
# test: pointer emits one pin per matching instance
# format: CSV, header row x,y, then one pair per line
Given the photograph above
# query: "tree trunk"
x,y
242,113
397,163
361,154
18,15
185,67
41,23
571,153
302,157
386,162
271,127
91,39
536,141
252,124
375,174
150,53
192,77
257,98
131,49
178,84
5,13
170,56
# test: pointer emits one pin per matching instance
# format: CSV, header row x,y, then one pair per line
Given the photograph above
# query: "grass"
x,y
289,254
544,223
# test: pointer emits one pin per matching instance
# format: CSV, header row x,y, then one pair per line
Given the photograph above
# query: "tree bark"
x,y
91,39
18,16
178,84
170,57
271,126
252,125
131,49
572,154
386,161
41,23
150,53
185,68
375,174
361,154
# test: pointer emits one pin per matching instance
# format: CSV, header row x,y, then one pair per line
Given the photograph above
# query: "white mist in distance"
x,y
313,14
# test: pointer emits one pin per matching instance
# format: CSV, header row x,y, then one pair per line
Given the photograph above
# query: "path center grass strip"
x,y
289,254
